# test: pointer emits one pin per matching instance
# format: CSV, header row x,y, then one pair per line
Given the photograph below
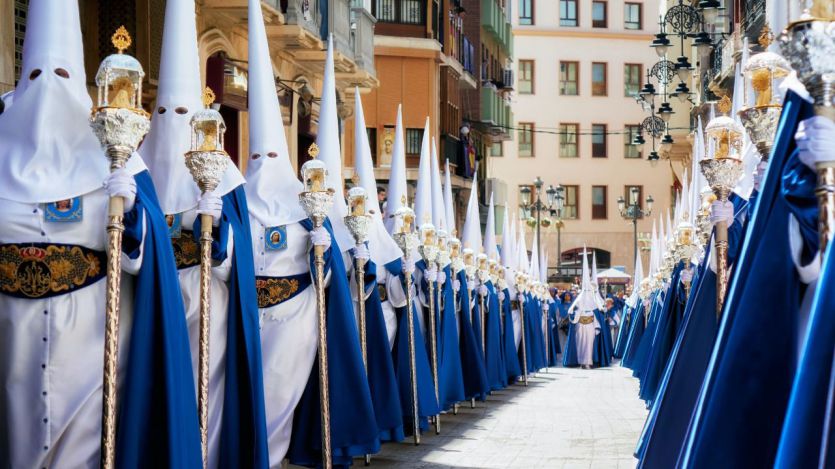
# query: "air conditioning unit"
x,y
508,79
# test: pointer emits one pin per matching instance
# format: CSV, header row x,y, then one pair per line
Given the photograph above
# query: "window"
x,y
568,78
598,14
372,142
525,12
598,79
414,138
630,197
496,149
631,79
568,13
632,15
568,140
630,150
526,139
526,76
570,210
598,203
400,11
598,140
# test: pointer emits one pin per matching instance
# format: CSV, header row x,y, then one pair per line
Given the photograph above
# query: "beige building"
x,y
578,64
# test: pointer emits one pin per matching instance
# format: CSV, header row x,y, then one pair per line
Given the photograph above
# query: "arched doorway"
x,y
571,262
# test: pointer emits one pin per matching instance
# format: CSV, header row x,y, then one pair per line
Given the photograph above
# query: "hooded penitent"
x,y
396,194
49,154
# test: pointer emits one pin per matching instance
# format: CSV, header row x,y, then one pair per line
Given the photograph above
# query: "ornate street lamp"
x,y
633,212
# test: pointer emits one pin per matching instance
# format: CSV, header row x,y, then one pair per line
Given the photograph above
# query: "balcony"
x,y
363,39
495,22
495,113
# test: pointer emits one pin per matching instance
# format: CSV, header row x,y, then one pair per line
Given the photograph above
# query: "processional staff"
x,y
429,252
120,124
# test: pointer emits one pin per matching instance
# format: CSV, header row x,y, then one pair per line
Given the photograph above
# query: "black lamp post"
x,y
531,201
633,213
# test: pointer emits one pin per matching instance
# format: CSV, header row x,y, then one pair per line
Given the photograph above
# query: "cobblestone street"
x,y
566,418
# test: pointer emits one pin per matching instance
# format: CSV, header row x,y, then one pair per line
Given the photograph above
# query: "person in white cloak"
x,y
53,200
179,96
282,246
581,314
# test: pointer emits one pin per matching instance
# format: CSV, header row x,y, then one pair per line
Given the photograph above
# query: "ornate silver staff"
x,y
316,200
207,161
722,172
468,258
809,45
686,246
429,251
520,287
483,276
120,124
408,242
456,266
358,223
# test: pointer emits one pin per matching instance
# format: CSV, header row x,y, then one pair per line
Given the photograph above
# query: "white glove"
x,y
210,204
456,285
431,275
441,277
686,275
521,297
722,212
320,237
361,252
815,139
482,290
408,266
121,184
501,296
759,175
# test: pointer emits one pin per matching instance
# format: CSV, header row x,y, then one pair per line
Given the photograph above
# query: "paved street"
x,y
567,418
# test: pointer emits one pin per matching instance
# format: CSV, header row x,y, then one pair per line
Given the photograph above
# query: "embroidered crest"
x,y
63,211
186,250
273,291
275,238
175,225
45,270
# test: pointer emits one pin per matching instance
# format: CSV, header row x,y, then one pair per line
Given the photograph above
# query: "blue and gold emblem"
x,y
175,225
64,211
275,238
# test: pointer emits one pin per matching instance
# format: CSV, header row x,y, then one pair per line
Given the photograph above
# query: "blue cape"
x,y
472,358
157,424
513,367
746,391
496,373
450,371
636,332
382,380
353,424
642,354
554,348
603,349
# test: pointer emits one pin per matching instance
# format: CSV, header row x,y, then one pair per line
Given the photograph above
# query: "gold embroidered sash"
x,y
38,270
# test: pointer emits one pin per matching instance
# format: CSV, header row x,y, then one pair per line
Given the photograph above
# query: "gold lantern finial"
x,y
208,97
355,178
724,105
121,39
313,150
766,37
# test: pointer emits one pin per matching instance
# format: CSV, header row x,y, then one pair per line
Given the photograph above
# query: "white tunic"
x,y
584,335
190,288
53,348
288,335
395,298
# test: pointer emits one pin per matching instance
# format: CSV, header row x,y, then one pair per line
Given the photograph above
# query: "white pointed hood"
x,y
507,252
585,300
423,192
382,246
637,278
272,186
170,137
597,296
396,194
48,150
653,253
533,269
438,209
471,234
522,250
490,232
449,206
543,268
330,153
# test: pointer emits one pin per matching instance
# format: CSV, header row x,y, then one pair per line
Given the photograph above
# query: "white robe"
x,y
289,335
53,348
395,298
584,335
190,289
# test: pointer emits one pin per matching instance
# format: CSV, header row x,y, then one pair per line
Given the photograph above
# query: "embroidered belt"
x,y
276,290
186,250
383,292
586,320
514,304
40,270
